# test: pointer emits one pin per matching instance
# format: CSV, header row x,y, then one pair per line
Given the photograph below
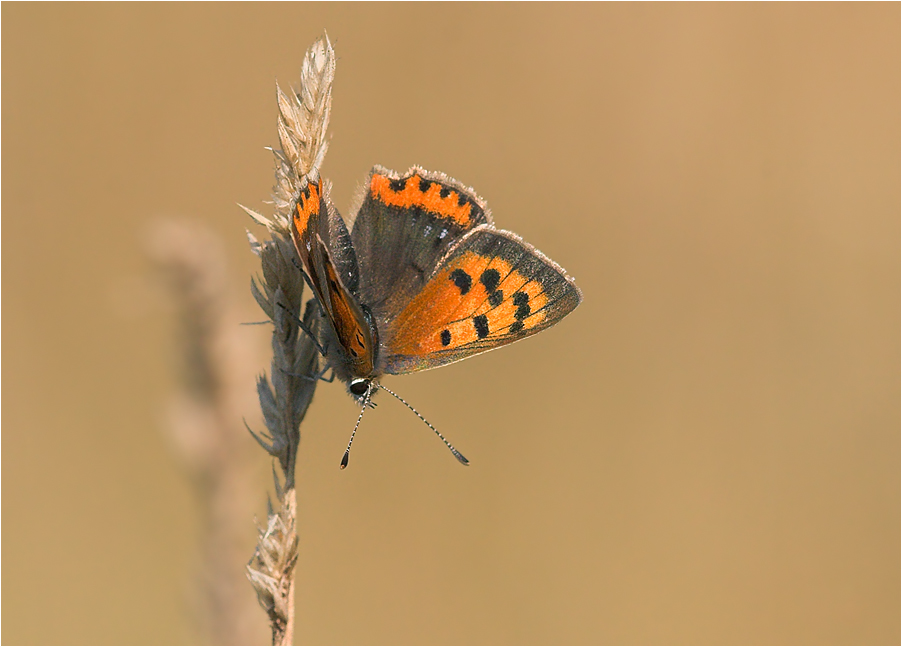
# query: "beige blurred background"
x,y
707,450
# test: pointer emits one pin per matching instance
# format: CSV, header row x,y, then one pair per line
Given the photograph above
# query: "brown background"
x,y
707,450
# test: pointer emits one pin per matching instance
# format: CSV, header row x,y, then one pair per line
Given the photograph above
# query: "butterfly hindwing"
x,y
492,289
334,234
403,228
306,213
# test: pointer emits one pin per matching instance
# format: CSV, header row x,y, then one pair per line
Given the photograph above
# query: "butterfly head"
x,y
361,388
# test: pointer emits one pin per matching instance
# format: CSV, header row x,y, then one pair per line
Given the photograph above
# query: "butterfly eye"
x,y
358,387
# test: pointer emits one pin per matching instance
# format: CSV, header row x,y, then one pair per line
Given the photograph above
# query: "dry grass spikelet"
x,y
287,392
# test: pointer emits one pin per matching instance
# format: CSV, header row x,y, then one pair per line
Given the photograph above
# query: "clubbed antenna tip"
x,y
457,454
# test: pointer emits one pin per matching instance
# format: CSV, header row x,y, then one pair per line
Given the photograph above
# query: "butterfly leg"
x,y
312,378
303,326
300,323
306,278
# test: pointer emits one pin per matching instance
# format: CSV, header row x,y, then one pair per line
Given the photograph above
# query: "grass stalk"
x,y
285,395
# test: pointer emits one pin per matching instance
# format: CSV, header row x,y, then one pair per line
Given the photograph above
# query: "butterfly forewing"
x,y
323,245
351,327
491,290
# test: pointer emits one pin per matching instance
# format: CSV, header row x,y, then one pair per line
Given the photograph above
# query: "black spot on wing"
x,y
462,280
424,186
446,337
481,323
495,298
516,327
490,279
521,300
397,185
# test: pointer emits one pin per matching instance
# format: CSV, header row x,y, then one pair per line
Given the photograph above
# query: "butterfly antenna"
x,y
366,400
456,453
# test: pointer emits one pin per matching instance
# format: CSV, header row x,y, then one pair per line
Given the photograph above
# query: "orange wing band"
x,y
473,299
418,192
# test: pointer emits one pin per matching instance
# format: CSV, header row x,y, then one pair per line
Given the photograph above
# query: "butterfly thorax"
x,y
351,354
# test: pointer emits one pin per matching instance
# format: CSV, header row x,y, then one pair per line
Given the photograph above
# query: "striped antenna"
x,y
366,400
456,453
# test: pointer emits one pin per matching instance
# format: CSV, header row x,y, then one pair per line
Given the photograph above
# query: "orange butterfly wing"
x,y
317,229
492,289
405,225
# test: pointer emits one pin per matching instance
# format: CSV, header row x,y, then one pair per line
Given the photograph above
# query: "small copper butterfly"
x,y
423,279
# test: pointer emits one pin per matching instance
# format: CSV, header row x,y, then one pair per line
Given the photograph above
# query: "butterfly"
x,y
422,279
